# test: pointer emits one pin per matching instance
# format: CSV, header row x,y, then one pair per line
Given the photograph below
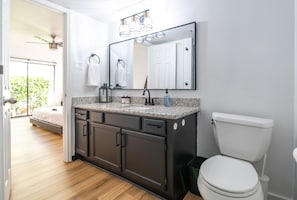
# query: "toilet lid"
x,y
229,174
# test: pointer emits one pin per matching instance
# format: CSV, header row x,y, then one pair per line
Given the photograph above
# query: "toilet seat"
x,y
229,176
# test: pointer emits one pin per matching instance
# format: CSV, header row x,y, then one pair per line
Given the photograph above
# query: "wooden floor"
x,y
38,171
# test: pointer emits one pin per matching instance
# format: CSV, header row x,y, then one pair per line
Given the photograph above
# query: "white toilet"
x,y
231,176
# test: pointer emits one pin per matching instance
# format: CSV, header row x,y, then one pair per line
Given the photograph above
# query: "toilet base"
x,y
208,194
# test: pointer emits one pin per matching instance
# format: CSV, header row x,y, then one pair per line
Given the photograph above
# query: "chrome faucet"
x,y
148,101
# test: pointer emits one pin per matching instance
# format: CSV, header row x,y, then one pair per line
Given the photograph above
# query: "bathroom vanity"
x,y
148,145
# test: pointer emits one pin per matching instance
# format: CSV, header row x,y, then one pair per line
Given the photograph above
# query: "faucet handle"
x,y
152,103
145,102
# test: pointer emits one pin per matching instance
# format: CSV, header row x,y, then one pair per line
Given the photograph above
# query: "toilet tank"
x,y
242,137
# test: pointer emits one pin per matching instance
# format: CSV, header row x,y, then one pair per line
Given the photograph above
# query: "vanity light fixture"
x,y
150,37
139,39
124,29
160,34
137,23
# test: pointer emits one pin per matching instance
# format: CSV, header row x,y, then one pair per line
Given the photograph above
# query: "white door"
x,y
5,153
162,69
184,63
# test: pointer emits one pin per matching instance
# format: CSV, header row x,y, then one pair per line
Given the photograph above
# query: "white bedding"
x,y
52,114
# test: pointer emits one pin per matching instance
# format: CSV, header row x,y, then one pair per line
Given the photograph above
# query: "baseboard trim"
x,y
273,196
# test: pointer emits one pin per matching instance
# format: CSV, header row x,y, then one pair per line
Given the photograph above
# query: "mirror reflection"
x,y
162,60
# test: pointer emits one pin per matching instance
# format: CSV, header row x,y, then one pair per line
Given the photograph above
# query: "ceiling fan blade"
x,y
40,38
52,44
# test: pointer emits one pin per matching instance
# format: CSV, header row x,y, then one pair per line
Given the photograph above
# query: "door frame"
x,y
5,138
67,103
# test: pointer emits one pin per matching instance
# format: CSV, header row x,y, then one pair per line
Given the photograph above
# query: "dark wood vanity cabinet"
x,y
105,146
151,152
144,158
81,132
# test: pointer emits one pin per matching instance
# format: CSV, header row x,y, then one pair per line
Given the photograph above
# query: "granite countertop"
x,y
174,112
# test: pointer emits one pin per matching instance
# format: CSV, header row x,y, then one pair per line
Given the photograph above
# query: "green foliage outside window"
x,y
38,89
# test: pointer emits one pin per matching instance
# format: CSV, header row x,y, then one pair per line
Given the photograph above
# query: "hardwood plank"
x,y
38,171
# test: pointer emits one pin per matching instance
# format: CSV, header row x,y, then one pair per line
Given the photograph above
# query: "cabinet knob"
x,y
183,122
175,126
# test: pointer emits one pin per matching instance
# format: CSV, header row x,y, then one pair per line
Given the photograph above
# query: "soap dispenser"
x,y
166,99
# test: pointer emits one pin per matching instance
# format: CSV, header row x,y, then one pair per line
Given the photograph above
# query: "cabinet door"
x,y
144,158
81,137
105,146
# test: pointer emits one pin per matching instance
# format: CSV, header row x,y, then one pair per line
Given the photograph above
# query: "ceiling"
x,y
29,19
101,10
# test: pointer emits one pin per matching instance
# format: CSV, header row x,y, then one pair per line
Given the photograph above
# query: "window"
x,y
32,84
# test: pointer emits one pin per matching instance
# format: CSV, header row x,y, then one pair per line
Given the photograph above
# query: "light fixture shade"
x,y
149,37
139,40
124,29
137,23
147,24
134,26
160,34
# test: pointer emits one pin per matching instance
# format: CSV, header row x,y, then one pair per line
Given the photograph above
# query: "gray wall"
x,y
295,99
245,65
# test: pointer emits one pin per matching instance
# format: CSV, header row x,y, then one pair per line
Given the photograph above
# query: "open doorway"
x,y
36,48
35,53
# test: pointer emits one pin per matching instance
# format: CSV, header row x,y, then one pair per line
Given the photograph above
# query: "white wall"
x,y
245,65
87,36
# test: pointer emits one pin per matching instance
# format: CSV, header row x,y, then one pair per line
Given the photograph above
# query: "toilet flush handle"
x,y
295,154
213,122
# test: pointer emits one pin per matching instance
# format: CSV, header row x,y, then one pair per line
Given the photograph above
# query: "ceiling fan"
x,y
51,44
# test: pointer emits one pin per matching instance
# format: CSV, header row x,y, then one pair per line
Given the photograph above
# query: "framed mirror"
x,y
161,60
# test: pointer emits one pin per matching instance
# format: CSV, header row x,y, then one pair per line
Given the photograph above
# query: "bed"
x,y
49,118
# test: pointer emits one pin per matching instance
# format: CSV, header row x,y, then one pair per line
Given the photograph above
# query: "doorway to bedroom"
x,y
32,84
36,56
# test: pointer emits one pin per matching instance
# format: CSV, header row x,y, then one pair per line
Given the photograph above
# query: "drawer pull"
x,y
85,130
123,140
78,114
118,139
155,125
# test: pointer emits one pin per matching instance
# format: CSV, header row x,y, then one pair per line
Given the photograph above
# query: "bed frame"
x,y
47,125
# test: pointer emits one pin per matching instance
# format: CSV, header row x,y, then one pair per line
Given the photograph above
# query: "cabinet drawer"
x,y
96,116
154,126
81,114
124,121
